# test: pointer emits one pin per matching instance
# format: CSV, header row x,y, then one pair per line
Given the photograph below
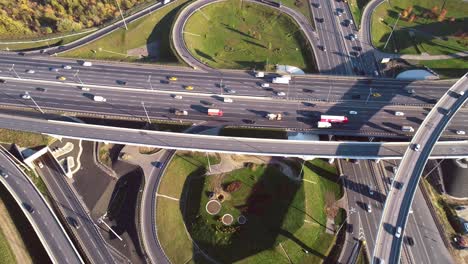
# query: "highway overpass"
x,y
237,145
399,200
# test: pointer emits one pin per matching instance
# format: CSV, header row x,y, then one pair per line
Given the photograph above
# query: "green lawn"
x,y
41,44
301,6
254,36
430,36
169,216
357,8
6,254
280,202
23,139
153,29
452,68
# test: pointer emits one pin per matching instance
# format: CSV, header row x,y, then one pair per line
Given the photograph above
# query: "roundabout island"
x,y
260,211
236,34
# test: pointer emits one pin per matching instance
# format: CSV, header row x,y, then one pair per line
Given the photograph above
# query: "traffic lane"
x,y
148,212
413,163
129,105
65,198
250,87
60,245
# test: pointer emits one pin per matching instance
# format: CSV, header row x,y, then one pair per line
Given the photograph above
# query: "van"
x,y
99,98
87,63
407,129
398,232
227,100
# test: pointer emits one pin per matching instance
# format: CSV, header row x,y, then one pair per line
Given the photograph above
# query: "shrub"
x,y
233,186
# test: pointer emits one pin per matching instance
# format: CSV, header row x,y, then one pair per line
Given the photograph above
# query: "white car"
x,y
84,88
369,208
4,174
178,97
398,232
397,113
461,132
280,94
227,100
352,112
40,164
30,71
417,147
26,96
265,85
67,67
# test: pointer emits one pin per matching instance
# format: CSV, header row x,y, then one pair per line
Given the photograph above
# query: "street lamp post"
x,y
369,95
121,14
391,33
34,101
78,77
149,80
101,221
146,112
13,69
352,210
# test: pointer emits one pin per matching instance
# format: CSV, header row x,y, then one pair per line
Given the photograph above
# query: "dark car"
x,y
158,164
73,222
409,241
356,96
121,82
2,81
40,89
249,121
28,208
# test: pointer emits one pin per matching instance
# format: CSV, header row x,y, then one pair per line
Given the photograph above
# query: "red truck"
x,y
215,112
333,119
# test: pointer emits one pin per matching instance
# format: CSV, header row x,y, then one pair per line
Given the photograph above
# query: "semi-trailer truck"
x,y
215,112
333,119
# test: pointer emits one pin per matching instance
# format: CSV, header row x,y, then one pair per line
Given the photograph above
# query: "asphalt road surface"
x,y
148,211
388,245
423,242
89,237
49,229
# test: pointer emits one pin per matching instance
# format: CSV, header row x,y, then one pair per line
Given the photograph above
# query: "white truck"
x,y
407,129
259,74
99,98
180,112
272,116
282,79
87,63
227,100
321,124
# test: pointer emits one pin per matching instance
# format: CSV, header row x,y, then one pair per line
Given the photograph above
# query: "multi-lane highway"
x,y
306,98
90,239
47,226
423,242
397,207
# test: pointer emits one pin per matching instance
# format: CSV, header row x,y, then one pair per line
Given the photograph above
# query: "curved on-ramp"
x,y
398,203
45,223
180,48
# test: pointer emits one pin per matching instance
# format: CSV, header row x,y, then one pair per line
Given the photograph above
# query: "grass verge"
x,y
149,35
23,139
31,242
171,228
41,44
6,253
240,35
424,34
303,225
254,132
357,8
451,68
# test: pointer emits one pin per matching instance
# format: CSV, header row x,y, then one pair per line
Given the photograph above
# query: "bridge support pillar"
x,y
331,160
